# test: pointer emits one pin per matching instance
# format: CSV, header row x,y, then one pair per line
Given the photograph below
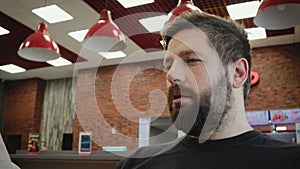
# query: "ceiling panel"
x,y
16,16
134,30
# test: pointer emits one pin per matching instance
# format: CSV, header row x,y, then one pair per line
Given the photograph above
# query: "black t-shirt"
x,y
251,150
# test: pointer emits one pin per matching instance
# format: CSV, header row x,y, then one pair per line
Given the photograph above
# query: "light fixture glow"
x,y
112,55
3,31
52,14
281,128
256,33
162,42
154,24
78,35
11,68
132,3
59,62
243,10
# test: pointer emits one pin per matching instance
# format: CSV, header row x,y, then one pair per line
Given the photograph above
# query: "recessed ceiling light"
x,y
59,62
256,33
112,55
52,14
243,10
11,68
3,31
78,35
132,3
154,24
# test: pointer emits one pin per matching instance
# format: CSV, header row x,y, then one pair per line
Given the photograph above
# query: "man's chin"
x,y
186,123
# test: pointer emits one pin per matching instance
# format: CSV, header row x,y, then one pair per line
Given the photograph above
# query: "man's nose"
x,y
176,73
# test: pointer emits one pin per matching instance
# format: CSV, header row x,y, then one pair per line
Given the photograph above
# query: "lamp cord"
x,y
106,4
45,4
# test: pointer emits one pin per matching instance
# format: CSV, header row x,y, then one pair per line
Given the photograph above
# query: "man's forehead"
x,y
195,32
189,38
193,40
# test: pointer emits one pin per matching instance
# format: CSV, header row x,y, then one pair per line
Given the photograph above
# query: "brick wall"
x,y
94,98
279,84
23,108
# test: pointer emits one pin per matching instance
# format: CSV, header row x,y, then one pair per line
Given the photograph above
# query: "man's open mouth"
x,y
177,97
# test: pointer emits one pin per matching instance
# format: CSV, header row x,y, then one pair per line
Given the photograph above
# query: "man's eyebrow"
x,y
181,54
186,53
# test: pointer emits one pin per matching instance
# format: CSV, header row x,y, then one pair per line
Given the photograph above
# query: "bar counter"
x,y
66,160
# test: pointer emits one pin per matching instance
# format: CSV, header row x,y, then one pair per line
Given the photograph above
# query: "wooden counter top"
x,y
67,160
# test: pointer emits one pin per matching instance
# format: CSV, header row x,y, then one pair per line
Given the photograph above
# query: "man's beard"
x,y
191,119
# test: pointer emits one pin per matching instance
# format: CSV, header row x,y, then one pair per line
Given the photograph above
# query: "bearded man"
x,y
208,76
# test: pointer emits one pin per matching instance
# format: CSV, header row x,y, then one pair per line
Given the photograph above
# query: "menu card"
x,y
85,143
33,144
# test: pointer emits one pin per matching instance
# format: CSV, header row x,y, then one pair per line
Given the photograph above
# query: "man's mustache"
x,y
181,90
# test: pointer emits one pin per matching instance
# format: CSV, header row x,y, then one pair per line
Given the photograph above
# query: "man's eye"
x,y
167,68
193,60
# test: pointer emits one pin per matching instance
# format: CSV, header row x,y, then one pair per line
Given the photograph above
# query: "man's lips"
x,y
178,98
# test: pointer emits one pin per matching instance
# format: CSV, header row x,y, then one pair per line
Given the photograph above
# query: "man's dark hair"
x,y
226,36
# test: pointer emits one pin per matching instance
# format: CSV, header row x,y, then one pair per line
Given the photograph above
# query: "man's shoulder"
x,y
271,141
266,143
154,150
142,154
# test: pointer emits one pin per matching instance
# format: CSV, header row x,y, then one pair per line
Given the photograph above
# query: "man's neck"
x,y
235,123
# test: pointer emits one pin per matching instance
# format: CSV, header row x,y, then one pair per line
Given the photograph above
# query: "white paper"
x,y
5,161
144,131
297,132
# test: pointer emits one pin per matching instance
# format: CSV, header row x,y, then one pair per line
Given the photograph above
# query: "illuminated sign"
x,y
254,78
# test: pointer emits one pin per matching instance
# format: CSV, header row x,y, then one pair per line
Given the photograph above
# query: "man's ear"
x,y
240,72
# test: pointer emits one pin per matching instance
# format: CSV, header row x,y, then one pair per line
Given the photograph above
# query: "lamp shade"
x,y
39,46
182,6
104,35
278,14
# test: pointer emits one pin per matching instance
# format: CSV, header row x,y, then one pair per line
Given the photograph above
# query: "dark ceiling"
x,y
130,26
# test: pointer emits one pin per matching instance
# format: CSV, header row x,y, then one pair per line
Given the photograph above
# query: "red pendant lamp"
x,y
278,14
105,35
39,46
182,6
